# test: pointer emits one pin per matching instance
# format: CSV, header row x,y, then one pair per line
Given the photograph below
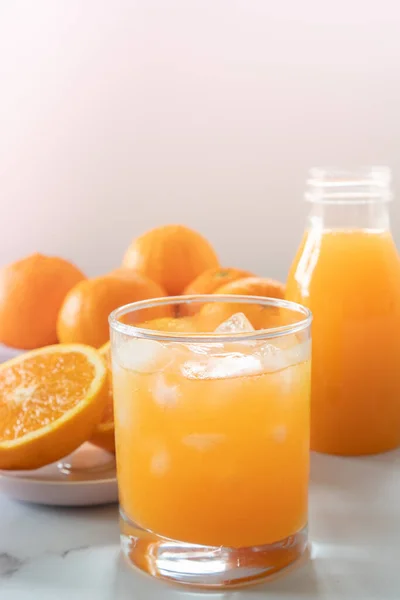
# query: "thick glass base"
x,y
207,566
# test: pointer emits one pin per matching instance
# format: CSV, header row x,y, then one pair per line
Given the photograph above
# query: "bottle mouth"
x,y
332,185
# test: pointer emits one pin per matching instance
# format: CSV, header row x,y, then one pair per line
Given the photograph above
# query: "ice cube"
x,y
237,323
160,463
272,358
214,361
164,393
300,352
277,357
222,366
143,356
279,433
205,349
295,352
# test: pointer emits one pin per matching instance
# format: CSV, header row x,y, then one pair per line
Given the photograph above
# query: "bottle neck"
x,y
369,216
349,199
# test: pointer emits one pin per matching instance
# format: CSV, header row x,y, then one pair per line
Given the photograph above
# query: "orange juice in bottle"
x,y
347,271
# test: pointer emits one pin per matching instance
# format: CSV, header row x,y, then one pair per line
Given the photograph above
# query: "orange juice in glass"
x,y
347,271
212,439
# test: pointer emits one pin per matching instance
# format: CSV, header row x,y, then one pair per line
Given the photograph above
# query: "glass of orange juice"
x,y
347,271
212,436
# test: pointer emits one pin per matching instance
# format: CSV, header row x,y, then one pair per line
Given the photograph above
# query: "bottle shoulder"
x,y
328,261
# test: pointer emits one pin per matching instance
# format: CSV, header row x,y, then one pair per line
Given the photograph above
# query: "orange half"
x,y
104,436
51,399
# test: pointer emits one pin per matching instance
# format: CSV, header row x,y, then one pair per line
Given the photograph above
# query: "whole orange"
x,y
207,282
215,313
174,324
83,317
172,255
253,286
31,293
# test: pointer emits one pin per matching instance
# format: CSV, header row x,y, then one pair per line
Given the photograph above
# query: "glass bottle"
x,y
347,271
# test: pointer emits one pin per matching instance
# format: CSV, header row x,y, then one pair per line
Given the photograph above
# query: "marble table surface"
x,y
73,554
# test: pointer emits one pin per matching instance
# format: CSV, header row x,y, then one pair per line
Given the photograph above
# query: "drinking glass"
x,y
212,436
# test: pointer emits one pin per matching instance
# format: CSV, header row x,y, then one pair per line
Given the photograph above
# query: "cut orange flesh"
x,y
103,435
51,399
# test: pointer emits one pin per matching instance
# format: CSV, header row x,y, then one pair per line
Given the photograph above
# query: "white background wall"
x,y
116,116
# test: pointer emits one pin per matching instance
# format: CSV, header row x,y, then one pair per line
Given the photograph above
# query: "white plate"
x,y
6,353
91,480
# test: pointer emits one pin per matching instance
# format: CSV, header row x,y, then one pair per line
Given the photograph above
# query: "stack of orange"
x,y
56,397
